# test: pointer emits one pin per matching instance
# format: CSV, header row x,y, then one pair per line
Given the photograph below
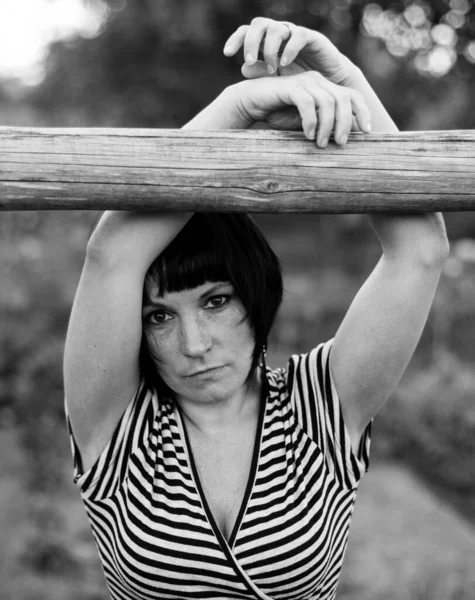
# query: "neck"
x,y
229,413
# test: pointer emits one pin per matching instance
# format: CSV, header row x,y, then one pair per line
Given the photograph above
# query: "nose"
x,y
195,337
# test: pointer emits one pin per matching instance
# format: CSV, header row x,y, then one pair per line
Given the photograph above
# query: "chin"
x,y
211,390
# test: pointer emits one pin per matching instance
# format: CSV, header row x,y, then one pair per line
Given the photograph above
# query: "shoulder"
x,y
310,368
301,368
132,432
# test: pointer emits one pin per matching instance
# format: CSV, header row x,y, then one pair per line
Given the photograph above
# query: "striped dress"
x,y
155,533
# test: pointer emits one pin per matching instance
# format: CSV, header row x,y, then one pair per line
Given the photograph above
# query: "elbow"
x,y
435,251
100,254
96,251
435,246
443,253
420,241
104,247
431,255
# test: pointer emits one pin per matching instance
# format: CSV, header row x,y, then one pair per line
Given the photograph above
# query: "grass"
x,y
405,543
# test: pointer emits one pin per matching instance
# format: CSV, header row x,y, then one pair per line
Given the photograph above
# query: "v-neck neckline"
x,y
228,544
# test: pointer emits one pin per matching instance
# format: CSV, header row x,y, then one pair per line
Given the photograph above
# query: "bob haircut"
x,y
219,247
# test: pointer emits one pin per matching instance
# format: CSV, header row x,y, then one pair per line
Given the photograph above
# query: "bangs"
x,y
189,261
213,247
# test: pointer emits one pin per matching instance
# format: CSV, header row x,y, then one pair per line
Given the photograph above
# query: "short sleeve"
x,y
110,469
318,411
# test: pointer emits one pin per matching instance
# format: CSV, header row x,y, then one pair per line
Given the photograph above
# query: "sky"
x,y
28,26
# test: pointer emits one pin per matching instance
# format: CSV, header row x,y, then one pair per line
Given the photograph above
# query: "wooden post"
x,y
251,171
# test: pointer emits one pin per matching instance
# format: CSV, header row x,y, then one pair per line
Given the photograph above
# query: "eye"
x,y
158,317
217,301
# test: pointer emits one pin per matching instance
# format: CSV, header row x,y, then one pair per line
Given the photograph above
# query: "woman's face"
x,y
200,341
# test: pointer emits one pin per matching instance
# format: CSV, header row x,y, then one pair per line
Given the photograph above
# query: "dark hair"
x,y
220,247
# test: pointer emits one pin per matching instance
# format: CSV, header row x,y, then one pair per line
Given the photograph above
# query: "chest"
x,y
292,512
222,471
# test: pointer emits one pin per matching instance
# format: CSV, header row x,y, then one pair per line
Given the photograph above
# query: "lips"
x,y
203,372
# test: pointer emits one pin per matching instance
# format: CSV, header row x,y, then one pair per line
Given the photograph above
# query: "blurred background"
x,y
156,63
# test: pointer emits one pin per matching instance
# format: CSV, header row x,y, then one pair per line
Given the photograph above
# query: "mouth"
x,y
204,372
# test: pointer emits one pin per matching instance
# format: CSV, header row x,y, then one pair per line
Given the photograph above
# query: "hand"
x,y
306,101
303,50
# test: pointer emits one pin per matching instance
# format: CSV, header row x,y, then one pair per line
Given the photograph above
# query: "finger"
x,y
277,33
326,117
296,42
292,69
235,41
343,116
343,108
305,104
361,111
326,106
301,37
255,71
359,108
253,39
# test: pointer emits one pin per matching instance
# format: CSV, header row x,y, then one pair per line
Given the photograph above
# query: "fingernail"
x,y
284,61
249,59
311,134
271,69
323,143
343,139
367,128
227,49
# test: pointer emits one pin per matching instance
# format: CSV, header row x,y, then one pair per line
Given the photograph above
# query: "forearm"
x,y
222,113
417,238
135,239
380,119
130,241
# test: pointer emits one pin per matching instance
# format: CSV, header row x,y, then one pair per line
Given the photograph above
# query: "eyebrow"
x,y
217,286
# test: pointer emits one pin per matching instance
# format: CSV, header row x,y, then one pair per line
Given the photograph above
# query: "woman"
x,y
204,474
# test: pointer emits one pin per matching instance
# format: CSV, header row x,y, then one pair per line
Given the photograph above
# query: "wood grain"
x,y
251,171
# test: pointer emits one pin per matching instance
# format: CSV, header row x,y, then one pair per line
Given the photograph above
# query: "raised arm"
x,y
101,362
101,359
384,323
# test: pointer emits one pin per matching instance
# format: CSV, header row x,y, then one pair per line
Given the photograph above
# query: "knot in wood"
x,y
271,186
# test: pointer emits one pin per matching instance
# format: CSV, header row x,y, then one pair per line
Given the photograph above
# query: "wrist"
x,y
354,74
239,117
225,112
380,119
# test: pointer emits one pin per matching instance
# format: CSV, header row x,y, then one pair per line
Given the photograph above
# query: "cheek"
x,y
241,337
160,351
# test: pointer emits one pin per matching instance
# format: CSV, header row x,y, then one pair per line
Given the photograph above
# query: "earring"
x,y
262,362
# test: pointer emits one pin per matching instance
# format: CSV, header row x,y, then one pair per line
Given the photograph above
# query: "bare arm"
x,y
384,323
101,363
101,359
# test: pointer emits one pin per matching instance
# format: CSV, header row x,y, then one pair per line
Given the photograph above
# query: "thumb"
x,y
258,69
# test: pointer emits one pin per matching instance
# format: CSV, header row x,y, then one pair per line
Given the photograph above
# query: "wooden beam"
x,y
251,171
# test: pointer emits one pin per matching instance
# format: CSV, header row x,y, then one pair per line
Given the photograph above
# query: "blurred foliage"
x,y
155,63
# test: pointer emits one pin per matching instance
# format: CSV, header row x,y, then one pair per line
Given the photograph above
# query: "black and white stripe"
x,y
156,536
